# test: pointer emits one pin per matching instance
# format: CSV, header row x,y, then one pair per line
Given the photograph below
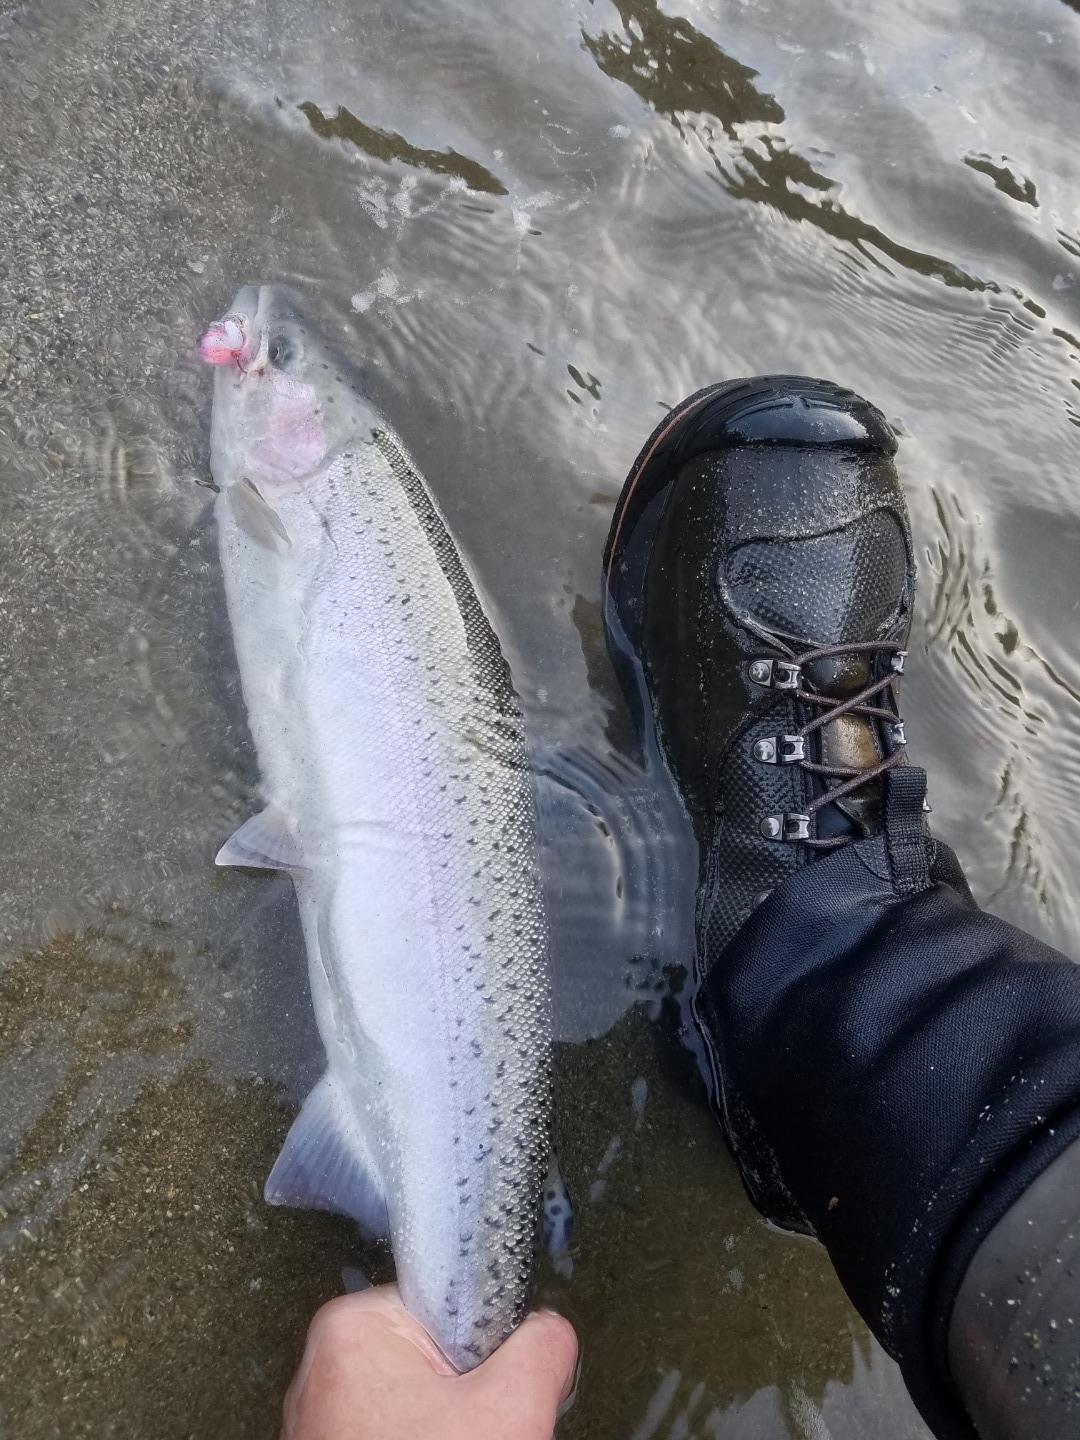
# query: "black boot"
x,y
760,569
760,566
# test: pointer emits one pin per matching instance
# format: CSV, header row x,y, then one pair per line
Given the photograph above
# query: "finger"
x,y
378,1318
534,1370
359,1347
545,1343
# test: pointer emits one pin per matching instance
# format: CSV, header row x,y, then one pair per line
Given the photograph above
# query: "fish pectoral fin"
x,y
257,518
324,1164
268,841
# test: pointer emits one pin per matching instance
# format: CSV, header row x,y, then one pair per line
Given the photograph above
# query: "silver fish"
x,y
392,753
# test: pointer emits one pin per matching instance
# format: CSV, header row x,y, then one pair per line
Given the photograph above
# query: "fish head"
x,y
283,402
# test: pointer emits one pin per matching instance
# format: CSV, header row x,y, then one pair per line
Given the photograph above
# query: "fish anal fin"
x,y
323,1164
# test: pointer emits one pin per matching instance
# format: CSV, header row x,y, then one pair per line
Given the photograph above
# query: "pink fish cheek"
x,y
294,440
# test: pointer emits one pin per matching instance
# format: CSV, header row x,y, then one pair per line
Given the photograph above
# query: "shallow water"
x,y
536,225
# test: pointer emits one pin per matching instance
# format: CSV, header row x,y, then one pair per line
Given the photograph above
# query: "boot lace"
x,y
788,676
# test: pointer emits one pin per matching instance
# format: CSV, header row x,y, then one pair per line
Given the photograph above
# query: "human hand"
x,y
371,1372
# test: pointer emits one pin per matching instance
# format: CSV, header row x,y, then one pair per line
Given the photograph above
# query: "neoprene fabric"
x,y
896,1067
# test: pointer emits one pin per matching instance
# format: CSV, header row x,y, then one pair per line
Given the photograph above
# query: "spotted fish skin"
x,y
392,751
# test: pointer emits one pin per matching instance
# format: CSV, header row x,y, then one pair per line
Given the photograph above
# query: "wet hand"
x,y
370,1372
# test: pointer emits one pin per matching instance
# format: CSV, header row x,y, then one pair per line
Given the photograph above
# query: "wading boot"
x,y
759,582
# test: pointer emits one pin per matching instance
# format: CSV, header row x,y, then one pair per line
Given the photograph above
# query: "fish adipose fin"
x,y
257,518
322,1165
268,841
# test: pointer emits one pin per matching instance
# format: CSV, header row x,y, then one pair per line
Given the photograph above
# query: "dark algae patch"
x,y
686,77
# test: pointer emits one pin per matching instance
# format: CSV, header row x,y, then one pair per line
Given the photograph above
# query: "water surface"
x,y
536,225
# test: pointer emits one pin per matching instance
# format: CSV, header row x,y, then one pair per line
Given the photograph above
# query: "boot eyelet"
x,y
791,827
897,736
780,749
792,749
786,675
777,674
897,661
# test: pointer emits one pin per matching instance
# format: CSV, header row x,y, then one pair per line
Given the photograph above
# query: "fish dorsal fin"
x,y
257,518
324,1164
268,841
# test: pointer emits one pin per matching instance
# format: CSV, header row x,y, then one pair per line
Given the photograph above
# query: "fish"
x,y
397,795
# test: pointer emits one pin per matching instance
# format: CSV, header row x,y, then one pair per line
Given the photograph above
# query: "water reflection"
x,y
686,77
1009,183
383,145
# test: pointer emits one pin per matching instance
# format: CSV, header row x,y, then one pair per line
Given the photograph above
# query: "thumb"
x,y
533,1371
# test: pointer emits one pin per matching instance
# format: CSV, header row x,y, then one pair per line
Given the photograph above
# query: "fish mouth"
x,y
239,336
225,341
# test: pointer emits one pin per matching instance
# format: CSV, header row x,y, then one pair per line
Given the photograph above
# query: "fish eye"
x,y
280,352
